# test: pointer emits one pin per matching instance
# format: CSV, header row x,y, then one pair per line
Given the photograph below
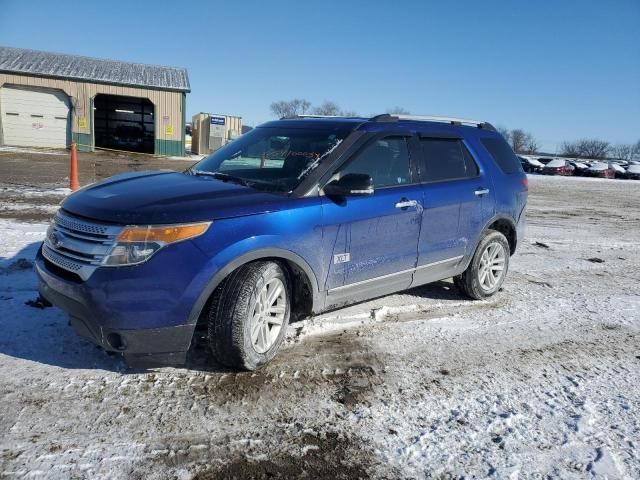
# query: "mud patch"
x,y
330,457
340,365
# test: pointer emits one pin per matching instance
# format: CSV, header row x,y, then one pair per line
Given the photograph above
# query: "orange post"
x,y
73,169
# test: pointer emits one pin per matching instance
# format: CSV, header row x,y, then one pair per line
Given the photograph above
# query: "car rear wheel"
x,y
248,315
488,268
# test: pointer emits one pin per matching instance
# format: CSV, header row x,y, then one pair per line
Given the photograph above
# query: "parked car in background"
x,y
128,137
633,172
618,170
544,160
531,165
558,167
296,217
579,168
601,170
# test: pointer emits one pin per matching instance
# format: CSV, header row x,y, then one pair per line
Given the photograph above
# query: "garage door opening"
x,y
124,123
34,117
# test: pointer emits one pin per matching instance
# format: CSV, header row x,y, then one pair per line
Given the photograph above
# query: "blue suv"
x,y
296,217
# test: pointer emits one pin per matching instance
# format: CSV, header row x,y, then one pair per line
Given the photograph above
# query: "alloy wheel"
x,y
491,268
268,315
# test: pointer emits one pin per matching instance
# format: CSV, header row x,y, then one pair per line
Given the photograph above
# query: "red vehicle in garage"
x,y
558,167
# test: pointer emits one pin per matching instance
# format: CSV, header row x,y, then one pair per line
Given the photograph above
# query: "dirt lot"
x,y
540,381
51,167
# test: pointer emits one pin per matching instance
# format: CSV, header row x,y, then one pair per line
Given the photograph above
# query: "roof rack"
x,y
449,120
392,117
291,117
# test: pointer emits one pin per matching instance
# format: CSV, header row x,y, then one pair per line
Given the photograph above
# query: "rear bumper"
x,y
141,347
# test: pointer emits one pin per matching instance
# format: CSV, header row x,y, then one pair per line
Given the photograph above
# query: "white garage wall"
x,y
37,117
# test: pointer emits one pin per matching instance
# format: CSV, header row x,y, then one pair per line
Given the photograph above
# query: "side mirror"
x,y
352,184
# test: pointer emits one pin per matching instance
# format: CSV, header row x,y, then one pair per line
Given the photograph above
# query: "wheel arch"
x,y
504,225
507,227
295,265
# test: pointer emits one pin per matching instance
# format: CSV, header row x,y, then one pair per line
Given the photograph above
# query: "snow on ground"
x,y
30,203
539,381
4,149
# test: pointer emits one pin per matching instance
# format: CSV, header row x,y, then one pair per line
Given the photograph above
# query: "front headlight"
x,y
137,244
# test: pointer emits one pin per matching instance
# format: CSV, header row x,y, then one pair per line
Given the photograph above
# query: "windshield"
x,y
275,159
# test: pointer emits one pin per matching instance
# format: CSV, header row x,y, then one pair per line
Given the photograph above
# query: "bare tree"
x,y
592,148
518,139
398,111
570,149
623,151
531,144
327,108
586,148
349,113
290,108
636,150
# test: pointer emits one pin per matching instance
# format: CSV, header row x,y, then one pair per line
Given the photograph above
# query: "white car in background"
x,y
633,172
531,165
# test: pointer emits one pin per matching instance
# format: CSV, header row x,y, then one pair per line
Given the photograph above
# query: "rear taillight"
x,y
525,182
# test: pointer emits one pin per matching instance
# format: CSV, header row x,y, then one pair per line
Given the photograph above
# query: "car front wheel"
x,y
249,314
488,268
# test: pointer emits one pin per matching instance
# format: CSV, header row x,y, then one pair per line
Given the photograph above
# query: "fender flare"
x,y
251,256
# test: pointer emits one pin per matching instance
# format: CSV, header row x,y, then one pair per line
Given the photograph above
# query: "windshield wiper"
x,y
225,177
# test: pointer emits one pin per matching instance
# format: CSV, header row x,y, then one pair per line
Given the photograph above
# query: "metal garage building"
x,y
51,99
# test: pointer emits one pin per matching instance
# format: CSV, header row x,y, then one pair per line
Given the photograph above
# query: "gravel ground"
x,y
539,381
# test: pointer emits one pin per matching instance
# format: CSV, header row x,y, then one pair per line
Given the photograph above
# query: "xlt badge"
x,y
341,258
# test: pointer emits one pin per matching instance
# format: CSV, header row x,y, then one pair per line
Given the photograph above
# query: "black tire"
x,y
229,315
469,282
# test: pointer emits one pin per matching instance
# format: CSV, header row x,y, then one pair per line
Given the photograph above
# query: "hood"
x,y
157,197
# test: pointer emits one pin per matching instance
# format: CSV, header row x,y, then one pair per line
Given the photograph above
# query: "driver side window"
x,y
385,160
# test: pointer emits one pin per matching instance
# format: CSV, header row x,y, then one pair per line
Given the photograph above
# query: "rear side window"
x,y
446,159
503,155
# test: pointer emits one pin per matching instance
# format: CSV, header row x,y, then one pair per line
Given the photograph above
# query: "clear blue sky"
x,y
562,70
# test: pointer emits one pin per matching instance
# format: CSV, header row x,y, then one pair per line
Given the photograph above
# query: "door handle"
x,y
406,203
481,191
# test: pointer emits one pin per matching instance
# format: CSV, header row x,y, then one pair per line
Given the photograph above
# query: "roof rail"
x,y
450,120
291,117
392,117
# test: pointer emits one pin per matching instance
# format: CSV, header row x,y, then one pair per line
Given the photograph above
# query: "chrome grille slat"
x,y
84,236
80,225
84,246
79,258
77,245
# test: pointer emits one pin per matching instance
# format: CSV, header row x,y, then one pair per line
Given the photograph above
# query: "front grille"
x,y
78,246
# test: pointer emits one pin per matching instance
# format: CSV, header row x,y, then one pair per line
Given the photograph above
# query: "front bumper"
x,y
143,343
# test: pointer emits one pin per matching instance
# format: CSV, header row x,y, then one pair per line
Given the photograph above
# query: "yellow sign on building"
x,y
82,122
168,129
